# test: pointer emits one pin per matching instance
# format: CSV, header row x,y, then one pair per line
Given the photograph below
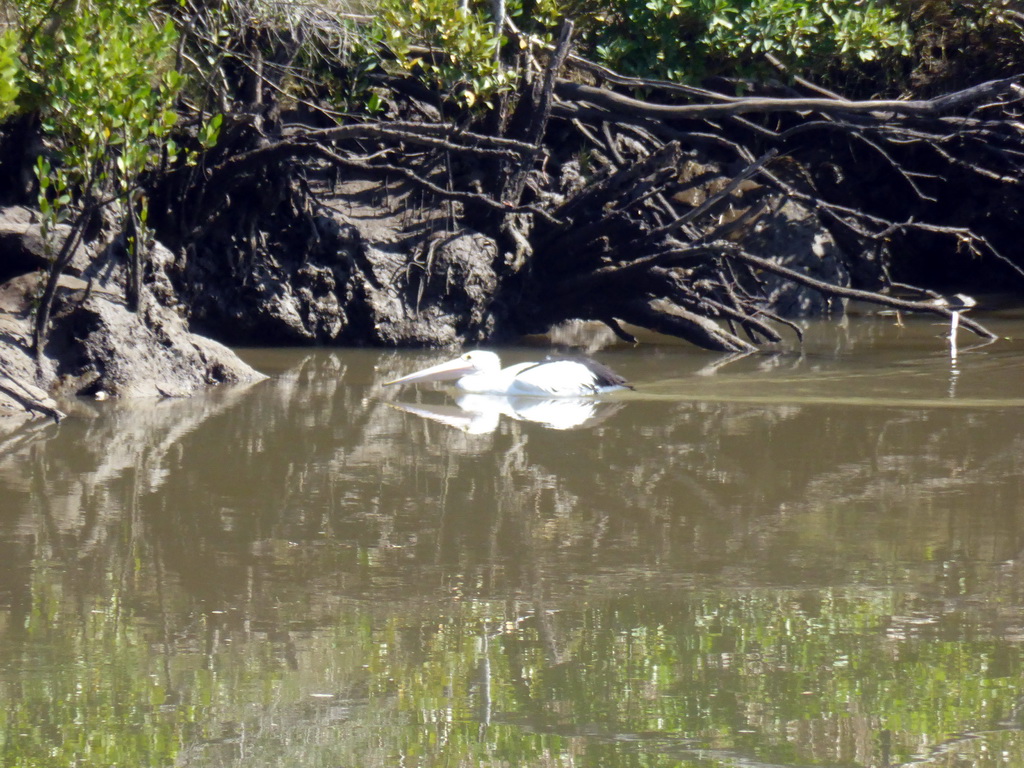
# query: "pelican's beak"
x,y
453,369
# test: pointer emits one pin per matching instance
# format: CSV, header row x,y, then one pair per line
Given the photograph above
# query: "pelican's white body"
x,y
481,373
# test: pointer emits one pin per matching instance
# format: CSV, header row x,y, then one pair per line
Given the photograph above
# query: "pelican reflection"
x,y
481,414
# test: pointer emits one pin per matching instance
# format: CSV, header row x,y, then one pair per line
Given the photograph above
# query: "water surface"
x,y
790,559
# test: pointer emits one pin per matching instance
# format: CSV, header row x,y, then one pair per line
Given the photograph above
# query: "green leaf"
x,y
210,131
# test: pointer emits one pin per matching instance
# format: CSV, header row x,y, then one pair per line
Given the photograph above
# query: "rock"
x,y
98,346
23,248
21,400
794,237
286,289
442,300
22,396
340,273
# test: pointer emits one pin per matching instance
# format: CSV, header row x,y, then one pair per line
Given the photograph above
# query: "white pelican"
x,y
481,373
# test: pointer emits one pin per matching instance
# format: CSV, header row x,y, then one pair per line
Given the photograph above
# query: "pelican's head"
x,y
476,361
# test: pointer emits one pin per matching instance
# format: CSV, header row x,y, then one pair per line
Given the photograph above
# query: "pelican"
x,y
481,373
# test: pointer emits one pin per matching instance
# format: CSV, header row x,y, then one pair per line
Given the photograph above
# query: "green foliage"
x,y
958,44
209,132
459,52
453,50
9,70
99,79
685,39
100,83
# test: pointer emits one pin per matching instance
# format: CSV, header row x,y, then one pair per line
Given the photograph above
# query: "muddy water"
x,y
786,560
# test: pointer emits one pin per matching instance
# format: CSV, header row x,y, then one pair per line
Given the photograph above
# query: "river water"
x,y
808,558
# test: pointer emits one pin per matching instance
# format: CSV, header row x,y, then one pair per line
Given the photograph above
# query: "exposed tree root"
x,y
656,211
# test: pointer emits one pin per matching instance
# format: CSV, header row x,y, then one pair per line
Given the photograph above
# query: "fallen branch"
x,y
731,250
30,398
940,105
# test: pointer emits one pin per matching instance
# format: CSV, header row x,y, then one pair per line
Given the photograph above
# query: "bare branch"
x,y
940,105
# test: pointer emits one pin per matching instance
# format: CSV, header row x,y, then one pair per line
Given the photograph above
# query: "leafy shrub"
x,y
9,69
688,39
454,50
958,44
458,51
101,82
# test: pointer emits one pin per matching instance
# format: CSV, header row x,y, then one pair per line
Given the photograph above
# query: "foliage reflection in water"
x,y
716,573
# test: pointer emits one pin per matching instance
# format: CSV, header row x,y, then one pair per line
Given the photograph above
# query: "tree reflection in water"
x,y
300,573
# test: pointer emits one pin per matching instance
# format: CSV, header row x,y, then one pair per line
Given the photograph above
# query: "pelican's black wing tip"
x,y
603,375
